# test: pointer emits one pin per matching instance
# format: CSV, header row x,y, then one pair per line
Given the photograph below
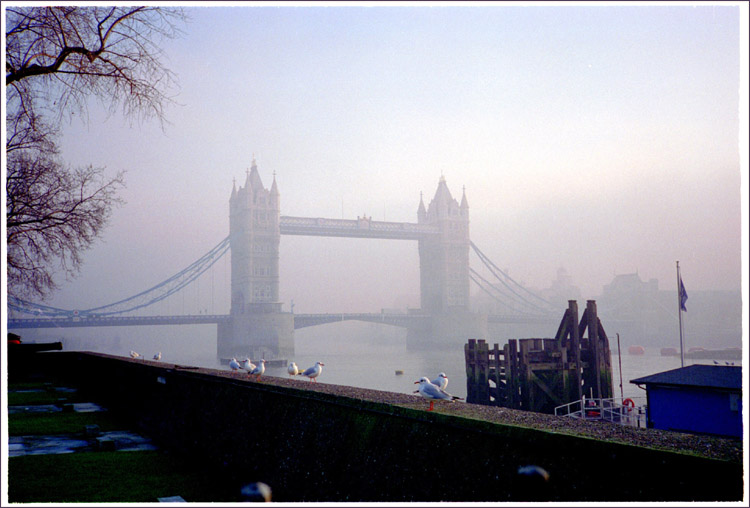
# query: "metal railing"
x,y
629,411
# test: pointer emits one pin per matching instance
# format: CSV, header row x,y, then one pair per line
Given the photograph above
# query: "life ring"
x,y
629,404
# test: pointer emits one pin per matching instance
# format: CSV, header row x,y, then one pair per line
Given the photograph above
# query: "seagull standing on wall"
x,y
293,370
248,366
157,356
259,370
234,365
313,371
432,392
134,355
441,381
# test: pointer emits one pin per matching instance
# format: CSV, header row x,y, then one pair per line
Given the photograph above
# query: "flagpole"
x,y
679,313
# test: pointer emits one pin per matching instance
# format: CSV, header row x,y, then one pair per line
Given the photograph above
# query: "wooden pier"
x,y
541,374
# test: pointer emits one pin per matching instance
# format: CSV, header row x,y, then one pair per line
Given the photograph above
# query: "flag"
x,y
683,295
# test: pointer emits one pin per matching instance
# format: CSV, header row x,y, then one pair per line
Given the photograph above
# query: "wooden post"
x,y
593,325
527,397
511,373
575,339
483,358
497,375
470,356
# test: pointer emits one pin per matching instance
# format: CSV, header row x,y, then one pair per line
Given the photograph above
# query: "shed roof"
x,y
705,376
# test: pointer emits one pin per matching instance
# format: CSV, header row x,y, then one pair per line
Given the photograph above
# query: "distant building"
x,y
699,399
645,315
561,290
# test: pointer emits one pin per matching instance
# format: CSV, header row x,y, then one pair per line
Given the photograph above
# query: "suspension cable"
x,y
145,298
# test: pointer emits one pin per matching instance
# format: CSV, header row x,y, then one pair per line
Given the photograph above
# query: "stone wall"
x,y
317,447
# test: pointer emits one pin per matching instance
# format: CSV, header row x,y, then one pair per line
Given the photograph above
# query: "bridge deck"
x,y
300,320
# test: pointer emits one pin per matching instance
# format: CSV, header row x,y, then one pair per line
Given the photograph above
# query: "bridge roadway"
x,y
300,320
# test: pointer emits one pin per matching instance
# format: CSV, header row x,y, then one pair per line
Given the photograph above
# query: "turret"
x,y
421,211
275,193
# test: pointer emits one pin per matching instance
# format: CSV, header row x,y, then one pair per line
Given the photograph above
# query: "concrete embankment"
x,y
350,445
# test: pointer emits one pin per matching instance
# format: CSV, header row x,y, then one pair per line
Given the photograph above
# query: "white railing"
x,y
624,411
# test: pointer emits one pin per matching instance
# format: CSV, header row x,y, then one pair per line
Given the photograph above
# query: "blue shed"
x,y
700,399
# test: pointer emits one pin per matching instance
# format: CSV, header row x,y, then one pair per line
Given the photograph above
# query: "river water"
x,y
358,354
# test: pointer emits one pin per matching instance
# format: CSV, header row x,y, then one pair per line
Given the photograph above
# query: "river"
x,y
358,354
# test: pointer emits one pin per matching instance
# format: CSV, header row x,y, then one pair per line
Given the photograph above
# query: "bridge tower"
x,y
444,272
257,324
444,259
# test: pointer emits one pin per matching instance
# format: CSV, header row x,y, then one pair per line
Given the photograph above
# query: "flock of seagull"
x,y
135,355
258,370
430,390
435,389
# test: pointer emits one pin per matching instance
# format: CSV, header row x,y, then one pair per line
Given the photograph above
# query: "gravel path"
x,y
705,446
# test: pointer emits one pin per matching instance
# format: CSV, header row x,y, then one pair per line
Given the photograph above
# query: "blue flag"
x,y
683,295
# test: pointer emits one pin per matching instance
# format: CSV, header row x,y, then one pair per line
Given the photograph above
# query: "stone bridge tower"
x,y
444,259
444,274
257,327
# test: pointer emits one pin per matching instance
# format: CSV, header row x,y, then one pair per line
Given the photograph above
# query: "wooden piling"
x,y
538,374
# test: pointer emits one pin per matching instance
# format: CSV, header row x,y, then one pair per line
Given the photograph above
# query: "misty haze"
x,y
592,160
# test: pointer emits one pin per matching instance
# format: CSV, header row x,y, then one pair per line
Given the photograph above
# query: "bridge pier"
x,y
446,330
257,335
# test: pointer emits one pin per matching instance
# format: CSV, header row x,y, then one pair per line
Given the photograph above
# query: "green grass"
x,y
48,395
117,477
39,398
28,424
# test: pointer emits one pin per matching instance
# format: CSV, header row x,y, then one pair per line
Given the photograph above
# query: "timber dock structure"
x,y
542,374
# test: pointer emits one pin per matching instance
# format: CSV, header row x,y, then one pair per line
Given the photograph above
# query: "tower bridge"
x,y
256,319
255,228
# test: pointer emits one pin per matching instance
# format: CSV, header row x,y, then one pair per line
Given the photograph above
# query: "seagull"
x,y
441,381
293,370
133,354
157,356
234,365
432,392
313,371
259,370
248,366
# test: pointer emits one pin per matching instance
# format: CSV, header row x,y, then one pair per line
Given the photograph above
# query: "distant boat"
x,y
668,351
636,350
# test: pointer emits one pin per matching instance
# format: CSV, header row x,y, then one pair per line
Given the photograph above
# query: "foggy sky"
x,y
601,139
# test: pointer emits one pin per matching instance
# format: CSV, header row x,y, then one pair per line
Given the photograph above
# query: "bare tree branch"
x,y
56,58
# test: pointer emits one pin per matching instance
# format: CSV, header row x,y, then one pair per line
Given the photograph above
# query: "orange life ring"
x,y
629,404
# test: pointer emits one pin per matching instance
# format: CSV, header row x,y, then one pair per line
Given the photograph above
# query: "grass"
x,y
40,398
47,395
118,477
98,477
35,424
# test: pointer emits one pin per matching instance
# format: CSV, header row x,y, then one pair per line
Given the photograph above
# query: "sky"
x,y
604,139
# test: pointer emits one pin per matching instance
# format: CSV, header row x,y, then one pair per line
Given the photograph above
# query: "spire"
x,y
464,201
234,189
274,193
274,188
253,178
421,211
442,194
